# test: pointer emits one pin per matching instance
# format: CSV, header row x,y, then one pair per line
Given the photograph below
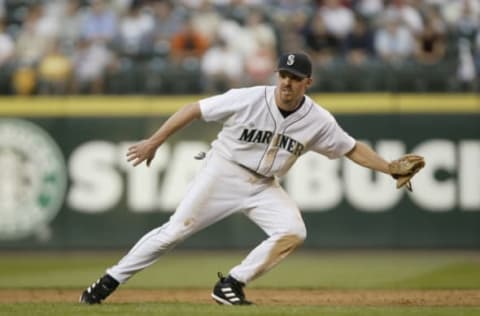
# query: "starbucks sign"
x,y
33,179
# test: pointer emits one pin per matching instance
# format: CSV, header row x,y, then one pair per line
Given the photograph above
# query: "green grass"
x,y
340,270
309,270
213,310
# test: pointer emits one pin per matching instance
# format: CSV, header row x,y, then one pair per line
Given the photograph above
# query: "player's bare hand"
x,y
142,151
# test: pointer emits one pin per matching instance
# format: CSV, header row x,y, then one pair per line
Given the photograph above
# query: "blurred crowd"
x,y
74,46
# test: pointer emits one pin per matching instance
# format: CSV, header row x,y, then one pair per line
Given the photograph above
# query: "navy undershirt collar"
x,y
287,113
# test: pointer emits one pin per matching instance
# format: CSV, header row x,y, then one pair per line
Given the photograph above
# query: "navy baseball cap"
x,y
298,64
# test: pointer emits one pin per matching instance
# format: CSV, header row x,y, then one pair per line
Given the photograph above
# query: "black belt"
x,y
256,174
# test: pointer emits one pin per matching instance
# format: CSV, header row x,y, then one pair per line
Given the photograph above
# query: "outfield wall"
x,y
64,181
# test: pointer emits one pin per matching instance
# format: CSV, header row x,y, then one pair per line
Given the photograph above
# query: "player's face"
x,y
290,90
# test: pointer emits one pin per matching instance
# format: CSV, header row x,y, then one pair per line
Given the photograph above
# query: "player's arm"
x,y
145,150
365,156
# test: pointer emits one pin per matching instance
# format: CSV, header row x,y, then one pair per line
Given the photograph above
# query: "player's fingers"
x,y
138,161
131,152
149,160
132,157
131,148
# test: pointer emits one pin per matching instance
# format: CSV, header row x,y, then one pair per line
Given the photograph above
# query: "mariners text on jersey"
x,y
265,137
256,135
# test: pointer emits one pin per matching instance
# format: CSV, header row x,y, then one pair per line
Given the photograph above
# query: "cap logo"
x,y
290,60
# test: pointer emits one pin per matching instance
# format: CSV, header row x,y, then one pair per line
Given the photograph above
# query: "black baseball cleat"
x,y
228,291
99,290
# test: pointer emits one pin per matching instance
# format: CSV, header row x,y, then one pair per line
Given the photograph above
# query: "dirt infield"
x,y
262,297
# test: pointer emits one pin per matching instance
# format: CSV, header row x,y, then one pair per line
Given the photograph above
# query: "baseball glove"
x,y
404,168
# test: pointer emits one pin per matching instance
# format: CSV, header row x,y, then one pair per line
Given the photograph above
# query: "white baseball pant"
x,y
220,189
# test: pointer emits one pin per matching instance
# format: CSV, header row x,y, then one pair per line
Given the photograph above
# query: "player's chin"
x,y
287,96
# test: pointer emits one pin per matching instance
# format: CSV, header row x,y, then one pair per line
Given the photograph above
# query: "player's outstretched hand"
x,y
142,151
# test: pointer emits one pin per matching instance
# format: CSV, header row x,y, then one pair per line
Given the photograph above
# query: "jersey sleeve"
x,y
220,108
332,141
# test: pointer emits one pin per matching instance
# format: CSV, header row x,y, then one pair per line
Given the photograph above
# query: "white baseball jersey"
x,y
257,136
255,144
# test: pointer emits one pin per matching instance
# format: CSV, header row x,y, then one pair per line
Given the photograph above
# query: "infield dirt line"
x,y
260,297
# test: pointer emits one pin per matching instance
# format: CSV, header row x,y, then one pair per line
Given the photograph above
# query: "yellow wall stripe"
x,y
164,105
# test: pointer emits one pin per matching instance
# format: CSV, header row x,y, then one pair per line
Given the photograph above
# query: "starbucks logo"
x,y
33,179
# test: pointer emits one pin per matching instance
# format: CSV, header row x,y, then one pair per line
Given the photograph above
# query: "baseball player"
x,y
265,129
